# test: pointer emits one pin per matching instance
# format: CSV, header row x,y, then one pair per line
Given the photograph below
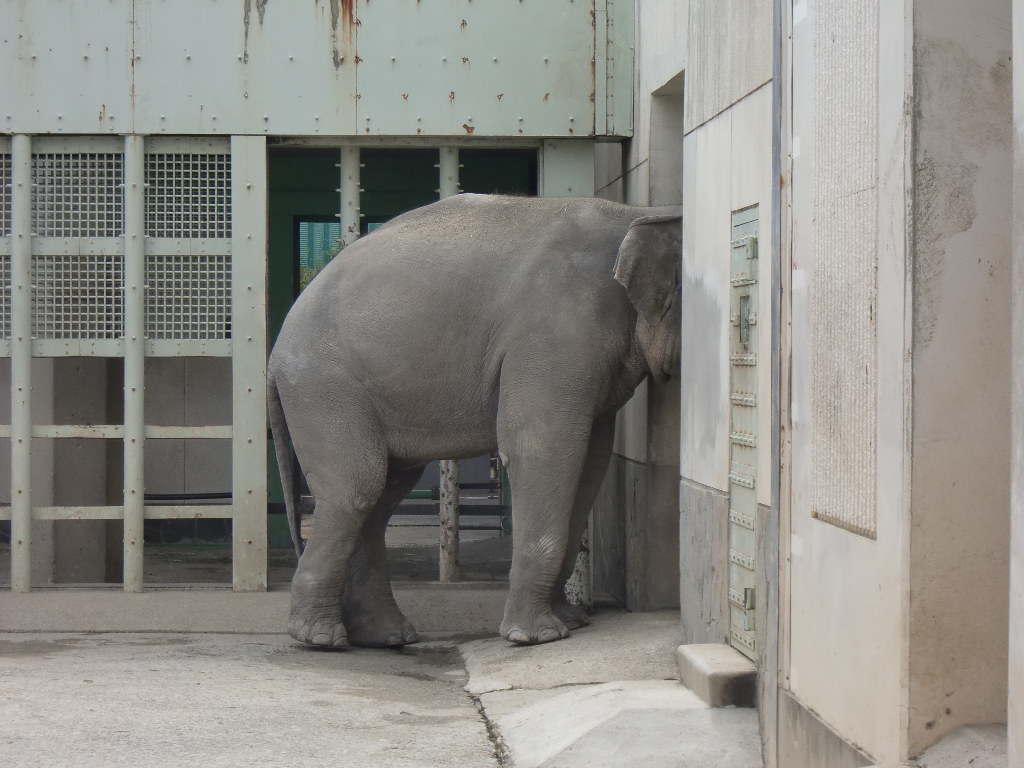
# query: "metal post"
x,y
449,521
350,191
449,514
21,364
134,360
449,172
248,362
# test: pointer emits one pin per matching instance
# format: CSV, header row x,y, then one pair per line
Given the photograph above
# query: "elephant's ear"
x,y
648,264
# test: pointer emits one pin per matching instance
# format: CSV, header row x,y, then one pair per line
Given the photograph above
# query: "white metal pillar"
x,y
349,191
449,513
21,364
248,362
134,360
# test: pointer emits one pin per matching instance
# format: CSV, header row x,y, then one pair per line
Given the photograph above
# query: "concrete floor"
x,y
91,676
608,696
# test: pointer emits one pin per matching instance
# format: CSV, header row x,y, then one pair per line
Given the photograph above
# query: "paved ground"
x,y
608,696
175,676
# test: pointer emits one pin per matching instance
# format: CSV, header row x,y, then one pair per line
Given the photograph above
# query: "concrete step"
x,y
719,674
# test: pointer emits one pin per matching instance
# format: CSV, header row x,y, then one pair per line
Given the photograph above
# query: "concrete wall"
x,y
727,166
188,392
1015,674
843,610
70,472
897,529
639,498
959,556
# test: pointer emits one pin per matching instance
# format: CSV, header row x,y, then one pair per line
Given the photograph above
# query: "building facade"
x,y
843,445
845,452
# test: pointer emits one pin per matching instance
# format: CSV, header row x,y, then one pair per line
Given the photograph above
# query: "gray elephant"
x,y
476,323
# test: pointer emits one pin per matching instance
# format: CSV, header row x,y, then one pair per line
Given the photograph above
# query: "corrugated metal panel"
x,y
330,67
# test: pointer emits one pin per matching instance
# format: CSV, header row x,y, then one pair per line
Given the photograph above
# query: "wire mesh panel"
x,y
78,296
188,296
5,193
188,229
188,195
5,296
78,194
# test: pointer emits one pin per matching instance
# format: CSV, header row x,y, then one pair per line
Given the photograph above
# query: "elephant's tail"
x,y
285,466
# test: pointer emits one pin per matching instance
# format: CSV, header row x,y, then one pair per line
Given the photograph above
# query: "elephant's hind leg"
x,y
594,469
371,614
346,476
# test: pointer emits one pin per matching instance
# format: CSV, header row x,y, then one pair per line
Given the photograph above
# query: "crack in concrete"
x,y
502,757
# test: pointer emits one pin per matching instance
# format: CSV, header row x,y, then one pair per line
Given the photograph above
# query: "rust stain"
x,y
405,96
468,128
359,59
103,112
465,60
261,9
343,14
463,25
547,96
500,95
451,96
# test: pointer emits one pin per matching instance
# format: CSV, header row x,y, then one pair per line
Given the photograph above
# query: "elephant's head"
x,y
648,266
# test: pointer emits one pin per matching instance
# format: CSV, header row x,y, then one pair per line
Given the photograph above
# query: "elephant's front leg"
x,y
544,463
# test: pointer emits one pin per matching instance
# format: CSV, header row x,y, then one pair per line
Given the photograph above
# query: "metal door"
x,y
743,362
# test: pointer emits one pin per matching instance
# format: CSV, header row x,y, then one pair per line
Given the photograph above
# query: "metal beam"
x,y
21,364
134,359
249,361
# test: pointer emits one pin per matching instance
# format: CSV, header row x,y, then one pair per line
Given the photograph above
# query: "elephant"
x,y
473,324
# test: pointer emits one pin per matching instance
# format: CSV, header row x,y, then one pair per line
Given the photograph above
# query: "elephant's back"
x,y
461,274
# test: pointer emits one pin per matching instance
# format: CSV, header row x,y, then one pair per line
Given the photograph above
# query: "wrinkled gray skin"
x,y
476,323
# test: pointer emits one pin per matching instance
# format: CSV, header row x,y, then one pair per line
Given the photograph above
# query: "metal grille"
x,y
188,297
5,194
78,194
188,195
78,297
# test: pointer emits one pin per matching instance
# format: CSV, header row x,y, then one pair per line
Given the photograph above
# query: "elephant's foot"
x,y
573,616
317,628
533,630
315,614
378,625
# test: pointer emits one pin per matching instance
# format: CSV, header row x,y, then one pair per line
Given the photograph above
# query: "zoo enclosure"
x,y
103,99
